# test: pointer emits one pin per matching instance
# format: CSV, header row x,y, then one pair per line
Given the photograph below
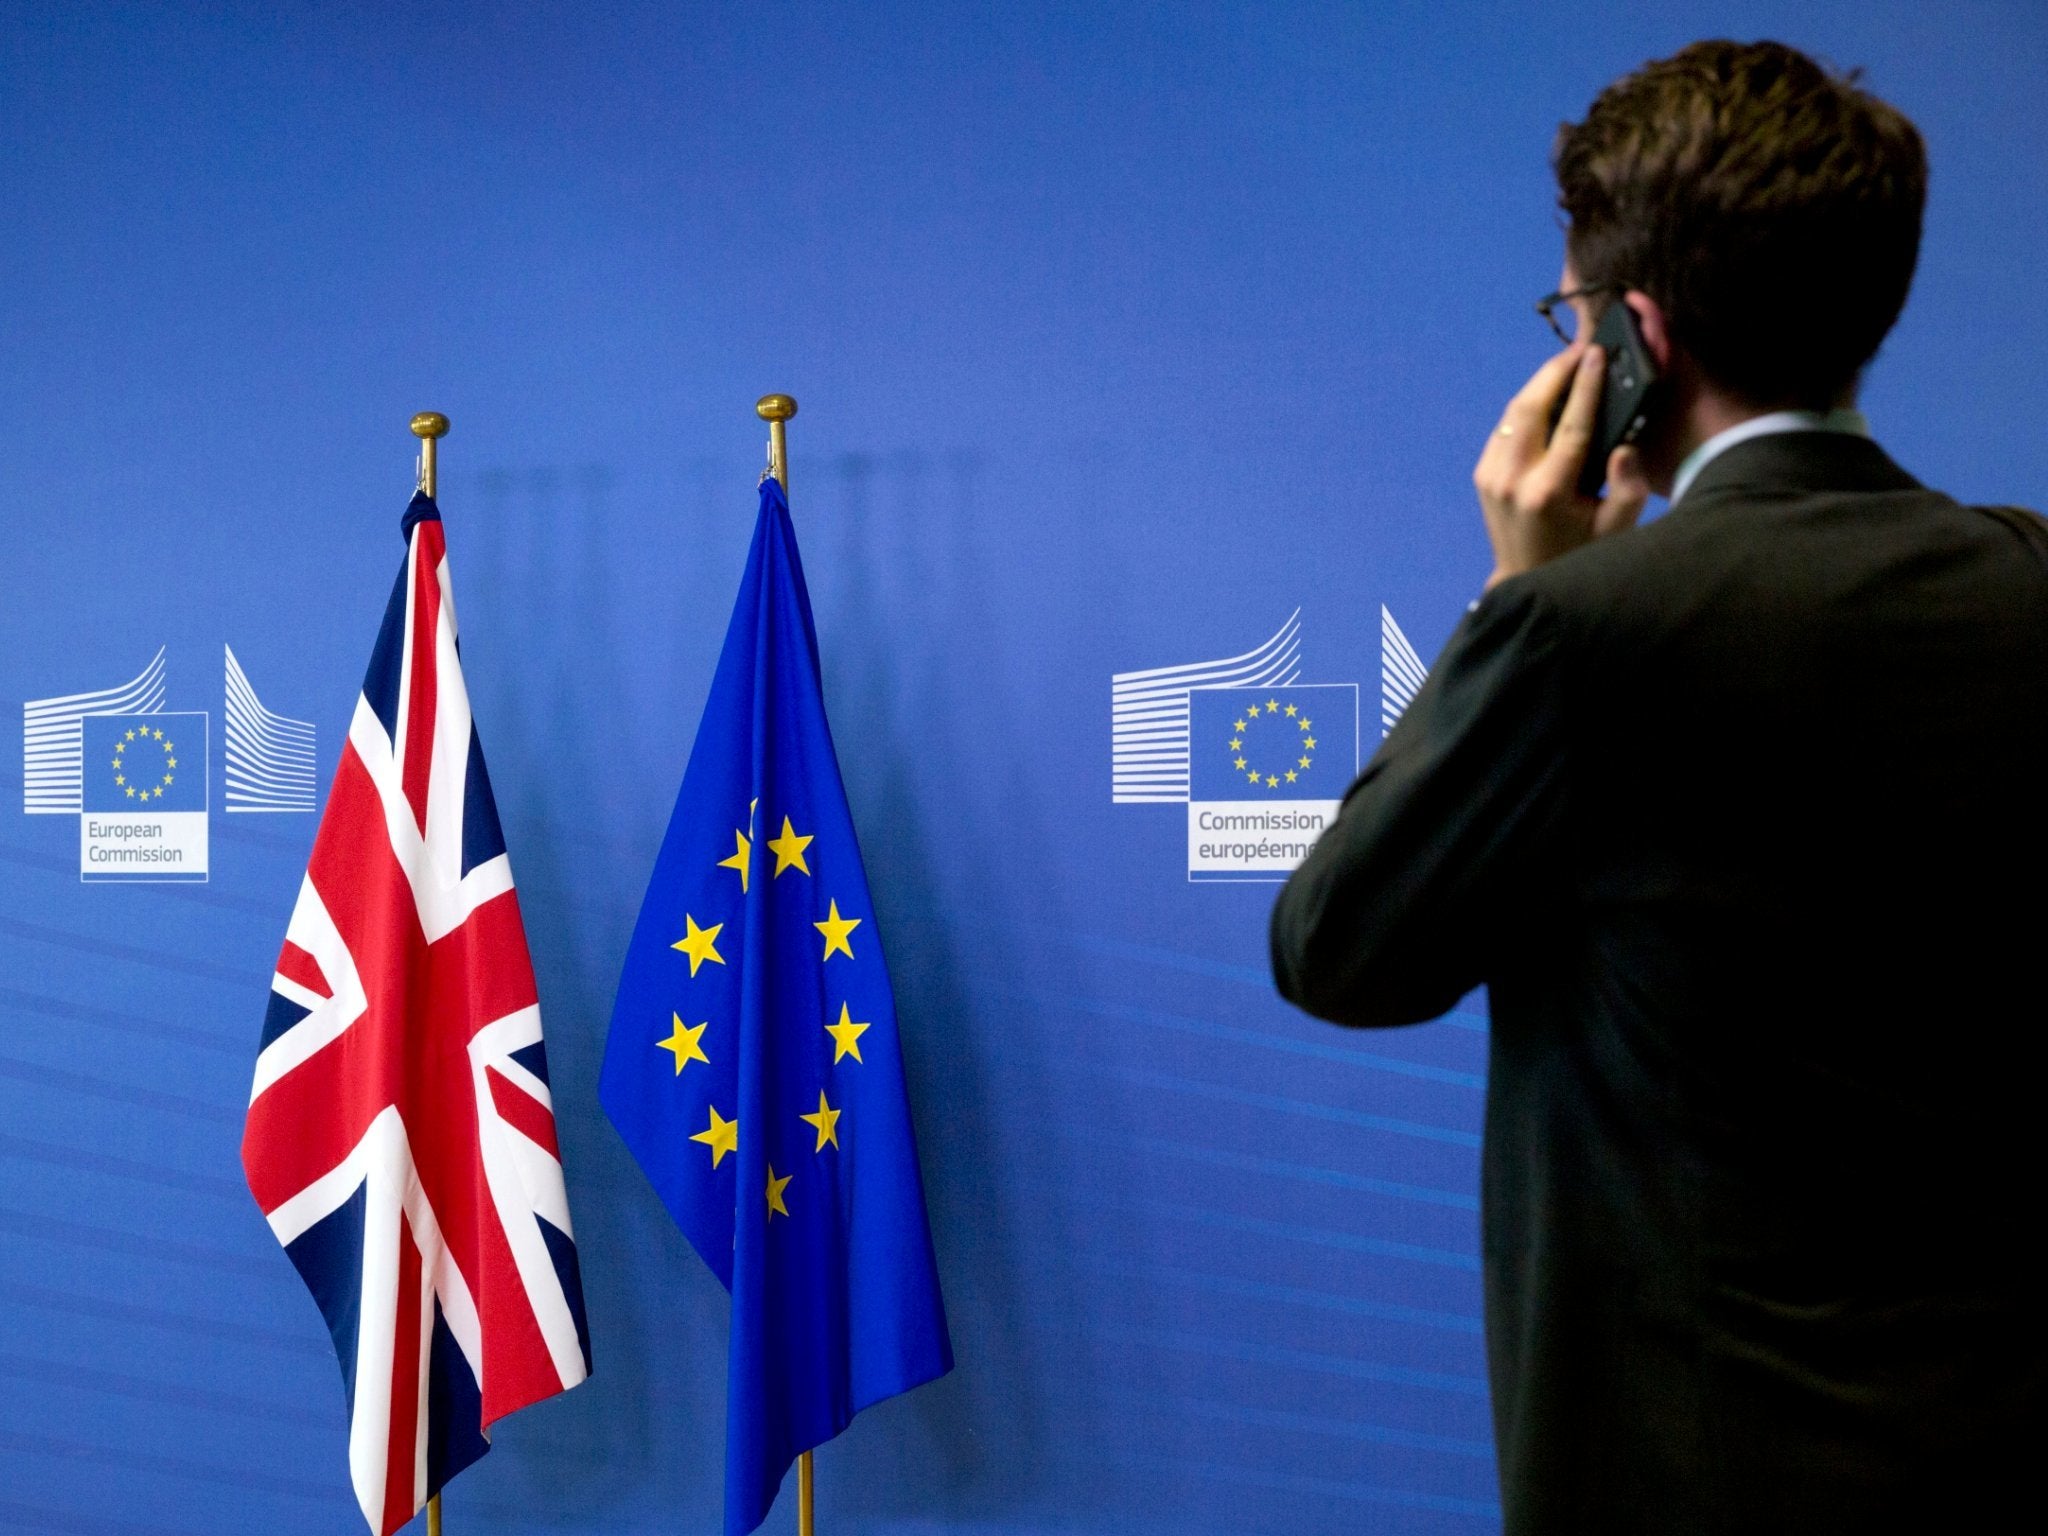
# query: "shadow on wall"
x,y
951,848
556,667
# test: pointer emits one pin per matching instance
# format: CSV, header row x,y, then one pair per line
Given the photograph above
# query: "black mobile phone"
x,y
1626,394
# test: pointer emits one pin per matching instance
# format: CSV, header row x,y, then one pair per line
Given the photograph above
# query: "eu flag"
x,y
752,1065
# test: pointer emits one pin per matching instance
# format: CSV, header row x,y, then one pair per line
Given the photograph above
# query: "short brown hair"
x,y
1771,208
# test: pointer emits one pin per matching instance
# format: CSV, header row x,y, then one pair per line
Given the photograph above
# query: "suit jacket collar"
x,y
1798,462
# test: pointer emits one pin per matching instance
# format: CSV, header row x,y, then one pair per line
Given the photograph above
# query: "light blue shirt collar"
x,y
1843,420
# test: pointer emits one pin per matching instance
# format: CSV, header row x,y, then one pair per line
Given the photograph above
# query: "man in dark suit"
x,y
1737,815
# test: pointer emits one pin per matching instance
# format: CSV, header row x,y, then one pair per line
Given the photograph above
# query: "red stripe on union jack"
x,y
401,1135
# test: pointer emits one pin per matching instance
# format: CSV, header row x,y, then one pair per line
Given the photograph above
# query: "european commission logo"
x,y
138,776
143,815
1260,759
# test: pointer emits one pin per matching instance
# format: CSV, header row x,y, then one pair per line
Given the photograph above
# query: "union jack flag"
x,y
401,1134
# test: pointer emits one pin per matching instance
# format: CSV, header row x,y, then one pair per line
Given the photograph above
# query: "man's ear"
x,y
1656,330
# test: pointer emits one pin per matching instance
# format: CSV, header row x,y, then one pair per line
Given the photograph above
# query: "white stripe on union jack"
x,y
401,1131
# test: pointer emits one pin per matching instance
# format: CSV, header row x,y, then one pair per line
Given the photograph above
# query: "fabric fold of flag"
x,y
401,1130
752,1065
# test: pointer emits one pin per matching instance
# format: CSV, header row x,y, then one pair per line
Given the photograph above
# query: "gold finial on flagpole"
x,y
775,410
429,427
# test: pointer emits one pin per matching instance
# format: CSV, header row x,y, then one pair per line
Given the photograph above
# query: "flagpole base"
x,y
434,1516
806,1498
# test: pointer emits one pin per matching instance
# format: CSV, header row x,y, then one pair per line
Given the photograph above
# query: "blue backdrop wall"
x,y
1122,336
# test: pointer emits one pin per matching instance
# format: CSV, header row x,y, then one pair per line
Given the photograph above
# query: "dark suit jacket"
x,y
1738,818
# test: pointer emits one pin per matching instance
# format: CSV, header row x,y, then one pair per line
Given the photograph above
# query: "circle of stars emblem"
x,y
686,1043
137,777
1258,750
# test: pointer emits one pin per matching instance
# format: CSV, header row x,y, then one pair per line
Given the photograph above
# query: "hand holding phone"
x,y
1539,479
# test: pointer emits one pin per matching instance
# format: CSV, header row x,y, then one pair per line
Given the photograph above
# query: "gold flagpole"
x,y
776,411
430,427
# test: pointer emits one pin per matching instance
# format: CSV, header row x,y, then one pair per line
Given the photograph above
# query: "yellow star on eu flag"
x,y
682,1043
739,860
846,1035
697,943
721,1136
836,929
825,1122
775,1188
789,850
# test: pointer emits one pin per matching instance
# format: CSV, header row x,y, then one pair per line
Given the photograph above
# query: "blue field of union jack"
x,y
401,1132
